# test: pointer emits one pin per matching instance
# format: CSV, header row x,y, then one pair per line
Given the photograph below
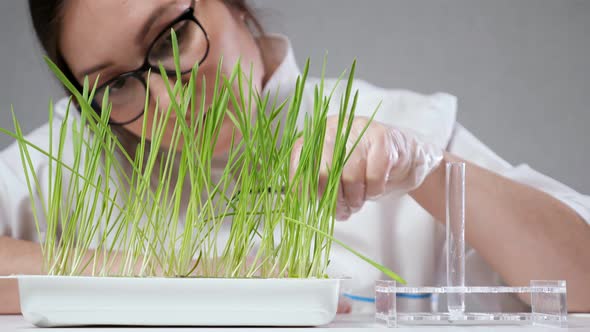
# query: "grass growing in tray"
x,y
162,211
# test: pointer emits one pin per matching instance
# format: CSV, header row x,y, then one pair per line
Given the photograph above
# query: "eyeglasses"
x,y
127,92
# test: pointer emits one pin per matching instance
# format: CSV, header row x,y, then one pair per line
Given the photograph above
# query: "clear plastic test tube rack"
x,y
547,297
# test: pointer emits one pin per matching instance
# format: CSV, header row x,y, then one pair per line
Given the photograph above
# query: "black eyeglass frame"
x,y
188,15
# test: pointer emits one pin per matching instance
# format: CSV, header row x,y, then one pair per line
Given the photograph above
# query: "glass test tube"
x,y
455,215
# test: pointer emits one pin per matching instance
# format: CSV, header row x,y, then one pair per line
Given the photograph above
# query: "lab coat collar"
x,y
277,49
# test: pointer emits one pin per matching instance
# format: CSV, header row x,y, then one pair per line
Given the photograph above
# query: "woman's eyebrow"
x,y
156,13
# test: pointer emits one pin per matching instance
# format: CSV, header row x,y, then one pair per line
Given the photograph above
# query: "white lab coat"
x,y
393,231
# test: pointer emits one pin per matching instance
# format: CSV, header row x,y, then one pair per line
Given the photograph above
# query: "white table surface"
x,y
360,322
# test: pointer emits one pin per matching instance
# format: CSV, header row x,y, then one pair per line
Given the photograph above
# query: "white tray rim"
x,y
252,301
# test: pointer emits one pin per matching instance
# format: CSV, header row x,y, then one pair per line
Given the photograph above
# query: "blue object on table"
x,y
399,295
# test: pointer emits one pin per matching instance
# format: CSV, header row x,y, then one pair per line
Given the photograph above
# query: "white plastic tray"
x,y
48,301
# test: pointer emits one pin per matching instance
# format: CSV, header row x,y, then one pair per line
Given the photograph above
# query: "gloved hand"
x,y
386,160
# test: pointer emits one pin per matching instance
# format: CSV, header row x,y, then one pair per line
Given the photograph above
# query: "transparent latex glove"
x,y
385,161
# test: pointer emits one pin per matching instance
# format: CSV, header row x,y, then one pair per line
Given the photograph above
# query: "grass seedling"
x,y
171,209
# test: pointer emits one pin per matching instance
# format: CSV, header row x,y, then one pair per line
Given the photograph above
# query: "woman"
x,y
522,225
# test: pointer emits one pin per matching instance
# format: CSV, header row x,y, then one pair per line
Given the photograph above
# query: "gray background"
x,y
521,69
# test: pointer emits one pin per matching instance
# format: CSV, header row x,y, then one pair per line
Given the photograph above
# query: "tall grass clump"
x,y
168,211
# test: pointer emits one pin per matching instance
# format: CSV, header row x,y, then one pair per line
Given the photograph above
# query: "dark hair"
x,y
46,16
46,19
